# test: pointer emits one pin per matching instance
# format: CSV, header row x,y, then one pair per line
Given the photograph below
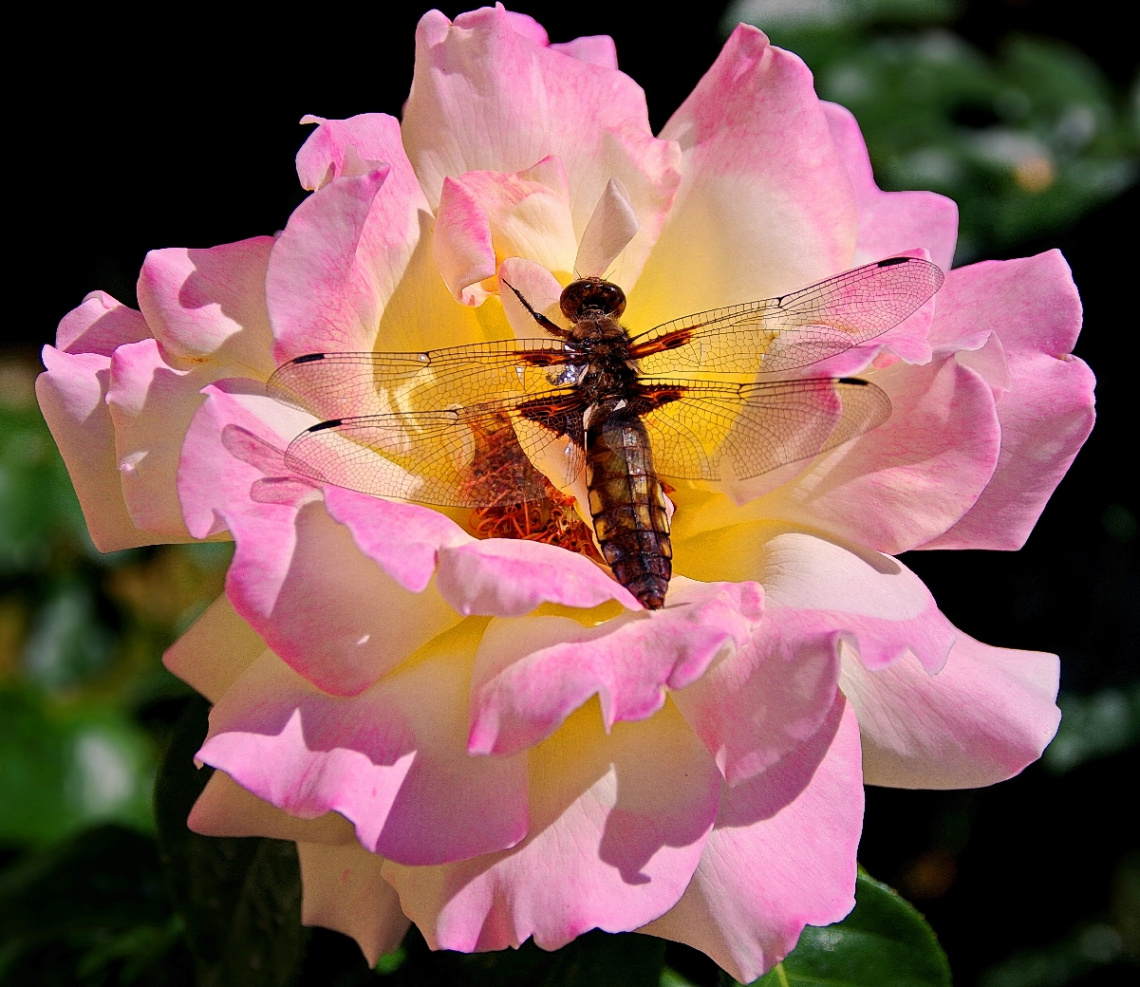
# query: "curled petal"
x,y
981,719
297,576
340,274
1031,306
464,243
72,396
151,405
613,224
100,325
345,890
530,675
325,607
392,760
596,49
781,856
346,148
509,578
404,539
210,305
617,826
757,704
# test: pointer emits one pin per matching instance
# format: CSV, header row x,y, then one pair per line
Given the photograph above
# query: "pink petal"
x,y
326,608
392,760
1031,305
344,890
757,704
211,478
216,649
71,395
210,304
986,715
335,276
872,601
530,675
891,223
99,325
539,287
597,49
483,215
533,102
499,577
297,576
617,826
505,577
909,480
226,809
782,856
403,538
340,147
463,244
765,205
320,284
151,405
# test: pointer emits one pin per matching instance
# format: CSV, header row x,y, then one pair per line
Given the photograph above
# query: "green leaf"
x,y
884,942
240,899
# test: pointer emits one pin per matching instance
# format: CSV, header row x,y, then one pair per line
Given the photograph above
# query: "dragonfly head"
x,y
592,298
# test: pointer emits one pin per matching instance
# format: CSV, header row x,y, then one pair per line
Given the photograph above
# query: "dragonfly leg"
x,y
551,327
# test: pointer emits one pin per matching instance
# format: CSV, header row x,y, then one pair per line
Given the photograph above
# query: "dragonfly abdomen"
x,y
628,506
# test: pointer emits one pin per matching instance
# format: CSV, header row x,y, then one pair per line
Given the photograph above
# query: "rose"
x,y
414,706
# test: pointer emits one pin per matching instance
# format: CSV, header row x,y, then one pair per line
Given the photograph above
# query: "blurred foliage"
x,y
1096,725
81,635
1025,142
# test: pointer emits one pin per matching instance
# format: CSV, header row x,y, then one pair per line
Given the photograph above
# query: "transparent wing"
x,y
469,457
793,330
705,430
343,385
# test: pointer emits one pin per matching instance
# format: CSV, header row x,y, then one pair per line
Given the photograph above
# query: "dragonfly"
x,y
506,427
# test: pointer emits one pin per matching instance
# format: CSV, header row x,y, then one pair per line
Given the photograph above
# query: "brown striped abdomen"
x,y
628,507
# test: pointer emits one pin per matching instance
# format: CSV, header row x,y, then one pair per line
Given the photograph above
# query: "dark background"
x,y
151,137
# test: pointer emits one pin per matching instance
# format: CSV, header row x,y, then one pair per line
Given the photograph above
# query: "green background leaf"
x,y
884,942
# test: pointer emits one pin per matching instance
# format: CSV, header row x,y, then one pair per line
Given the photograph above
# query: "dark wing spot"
x,y
561,415
540,358
652,396
669,341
